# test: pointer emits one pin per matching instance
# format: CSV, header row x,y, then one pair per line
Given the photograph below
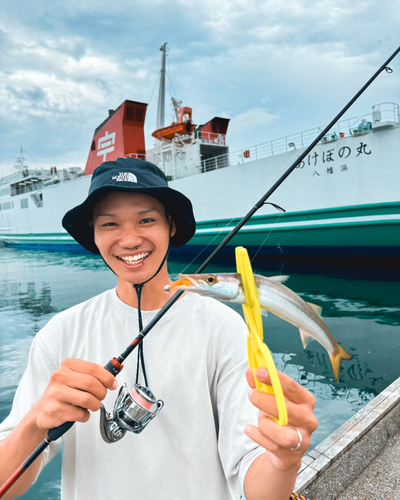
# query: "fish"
x,y
273,297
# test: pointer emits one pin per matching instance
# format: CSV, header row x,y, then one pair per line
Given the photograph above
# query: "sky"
x,y
273,67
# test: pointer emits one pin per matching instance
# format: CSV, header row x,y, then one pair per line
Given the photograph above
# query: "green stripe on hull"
x,y
387,234
380,209
43,239
370,225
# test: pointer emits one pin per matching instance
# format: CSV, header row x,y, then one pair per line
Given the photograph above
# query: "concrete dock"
x,y
361,459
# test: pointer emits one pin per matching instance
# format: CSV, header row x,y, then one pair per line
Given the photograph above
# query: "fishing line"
x,y
266,237
280,214
233,218
115,365
368,100
208,244
306,182
282,168
388,71
300,189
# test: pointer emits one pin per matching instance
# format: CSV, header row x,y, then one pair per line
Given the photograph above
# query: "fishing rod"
x,y
115,365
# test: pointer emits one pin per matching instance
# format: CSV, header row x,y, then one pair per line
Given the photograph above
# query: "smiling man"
x,y
132,233
212,439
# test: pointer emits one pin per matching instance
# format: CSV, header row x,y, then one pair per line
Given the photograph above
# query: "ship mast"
x,y
19,160
161,92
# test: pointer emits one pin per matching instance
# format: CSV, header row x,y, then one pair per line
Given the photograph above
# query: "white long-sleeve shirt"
x,y
195,360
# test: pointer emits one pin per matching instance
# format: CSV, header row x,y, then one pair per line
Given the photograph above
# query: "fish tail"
x,y
336,358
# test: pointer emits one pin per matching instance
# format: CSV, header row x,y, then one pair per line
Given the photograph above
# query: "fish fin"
x,y
279,279
344,354
314,307
264,312
305,338
336,359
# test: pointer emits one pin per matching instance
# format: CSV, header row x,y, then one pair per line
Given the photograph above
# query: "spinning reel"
x,y
132,412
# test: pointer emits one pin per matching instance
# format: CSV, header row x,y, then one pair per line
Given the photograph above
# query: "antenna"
x,y
161,91
19,160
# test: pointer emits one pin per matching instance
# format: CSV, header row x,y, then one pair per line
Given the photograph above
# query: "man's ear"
x,y
91,225
172,226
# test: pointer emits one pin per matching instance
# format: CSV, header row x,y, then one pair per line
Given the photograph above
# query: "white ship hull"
x,y
343,199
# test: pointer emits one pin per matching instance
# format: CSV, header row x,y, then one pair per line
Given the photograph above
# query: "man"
x,y
206,442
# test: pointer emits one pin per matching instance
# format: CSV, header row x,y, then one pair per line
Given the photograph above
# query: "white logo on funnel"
x,y
106,145
125,177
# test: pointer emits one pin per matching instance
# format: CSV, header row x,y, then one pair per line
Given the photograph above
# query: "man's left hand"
x,y
282,442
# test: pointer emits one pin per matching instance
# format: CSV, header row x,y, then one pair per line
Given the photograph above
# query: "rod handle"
x,y
57,432
113,366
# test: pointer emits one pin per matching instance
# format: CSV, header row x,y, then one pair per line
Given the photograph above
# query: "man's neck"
x,y
153,295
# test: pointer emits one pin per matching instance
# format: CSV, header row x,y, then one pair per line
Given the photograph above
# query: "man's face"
x,y
132,234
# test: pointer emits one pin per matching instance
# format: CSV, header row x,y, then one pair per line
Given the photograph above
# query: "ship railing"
x,y
29,180
286,144
383,112
344,128
292,142
211,138
136,155
22,174
11,177
27,186
44,176
215,163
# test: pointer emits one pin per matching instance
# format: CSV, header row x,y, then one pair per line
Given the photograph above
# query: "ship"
x,y
342,201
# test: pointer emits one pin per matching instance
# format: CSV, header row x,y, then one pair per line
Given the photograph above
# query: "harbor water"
x,y
360,305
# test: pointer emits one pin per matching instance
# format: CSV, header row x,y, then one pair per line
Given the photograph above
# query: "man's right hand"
x,y
75,388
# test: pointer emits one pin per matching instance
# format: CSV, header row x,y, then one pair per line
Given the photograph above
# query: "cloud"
x,y
64,64
256,120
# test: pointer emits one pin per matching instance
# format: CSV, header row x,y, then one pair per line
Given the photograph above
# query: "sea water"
x,y
360,305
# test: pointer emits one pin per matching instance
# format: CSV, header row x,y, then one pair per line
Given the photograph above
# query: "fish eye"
x,y
210,280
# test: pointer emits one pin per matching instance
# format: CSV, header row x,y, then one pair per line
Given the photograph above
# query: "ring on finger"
x,y
300,440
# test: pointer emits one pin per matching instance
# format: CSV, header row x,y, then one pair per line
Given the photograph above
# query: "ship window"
x,y
93,146
139,115
24,203
38,199
130,113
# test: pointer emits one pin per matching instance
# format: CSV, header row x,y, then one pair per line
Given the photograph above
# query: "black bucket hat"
x,y
130,175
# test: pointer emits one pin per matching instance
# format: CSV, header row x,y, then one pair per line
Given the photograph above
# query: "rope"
x,y
295,496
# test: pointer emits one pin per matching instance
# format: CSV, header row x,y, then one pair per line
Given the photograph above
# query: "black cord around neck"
x,y
139,288
140,358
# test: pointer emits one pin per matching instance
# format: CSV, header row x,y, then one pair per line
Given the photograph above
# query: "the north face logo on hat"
x,y
125,177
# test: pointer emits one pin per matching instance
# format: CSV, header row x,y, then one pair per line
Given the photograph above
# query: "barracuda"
x,y
274,297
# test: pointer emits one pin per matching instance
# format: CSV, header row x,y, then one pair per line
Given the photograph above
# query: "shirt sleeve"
x,y
41,365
